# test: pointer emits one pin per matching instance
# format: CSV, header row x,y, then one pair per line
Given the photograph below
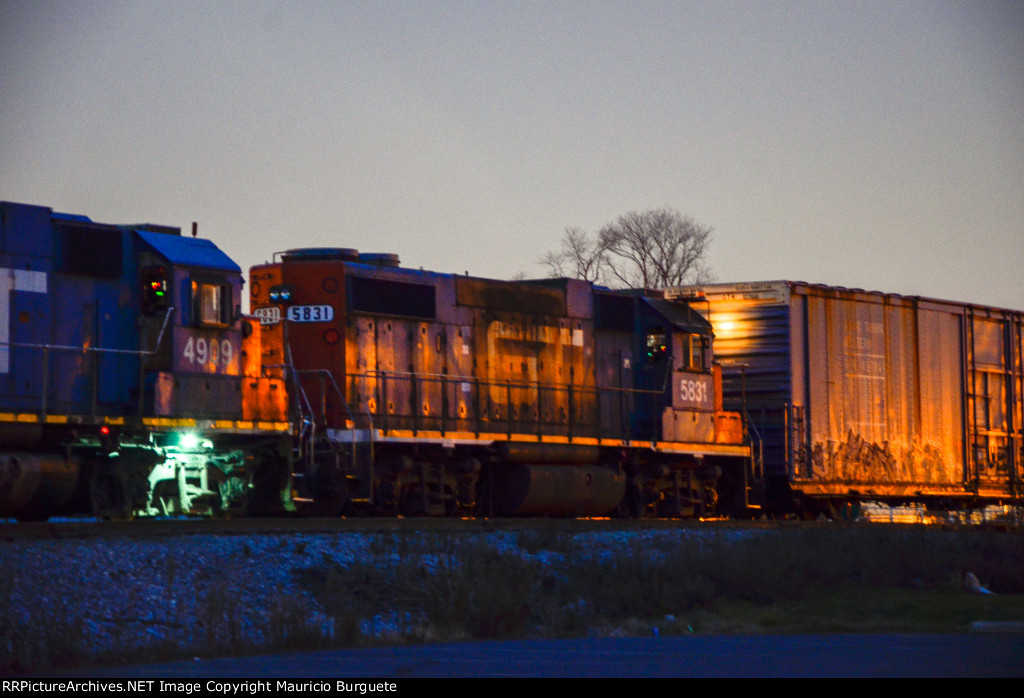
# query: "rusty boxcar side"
x,y
865,395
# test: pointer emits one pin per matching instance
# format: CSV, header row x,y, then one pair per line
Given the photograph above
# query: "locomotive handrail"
x,y
502,382
756,459
571,389
304,399
307,437
572,416
98,350
47,348
330,376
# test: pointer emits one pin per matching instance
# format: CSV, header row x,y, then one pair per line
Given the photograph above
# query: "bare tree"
x,y
659,248
581,257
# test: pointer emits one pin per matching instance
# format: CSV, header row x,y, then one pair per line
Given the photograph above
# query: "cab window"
x,y
697,353
656,344
211,303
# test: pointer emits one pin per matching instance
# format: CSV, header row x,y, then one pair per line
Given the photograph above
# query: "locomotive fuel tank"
x,y
34,485
535,480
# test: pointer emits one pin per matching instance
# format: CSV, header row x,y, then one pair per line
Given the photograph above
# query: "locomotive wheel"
x,y
165,497
109,496
413,503
710,501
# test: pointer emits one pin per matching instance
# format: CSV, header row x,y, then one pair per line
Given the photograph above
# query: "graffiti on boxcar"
x,y
858,460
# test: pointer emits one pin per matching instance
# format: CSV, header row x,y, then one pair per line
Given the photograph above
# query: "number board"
x,y
310,313
207,352
694,390
270,315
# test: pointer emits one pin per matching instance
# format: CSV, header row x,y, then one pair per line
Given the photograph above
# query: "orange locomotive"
x,y
422,393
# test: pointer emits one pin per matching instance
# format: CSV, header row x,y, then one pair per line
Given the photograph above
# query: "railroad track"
x,y
84,528
158,528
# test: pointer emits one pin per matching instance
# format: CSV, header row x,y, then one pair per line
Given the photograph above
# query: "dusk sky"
x,y
877,145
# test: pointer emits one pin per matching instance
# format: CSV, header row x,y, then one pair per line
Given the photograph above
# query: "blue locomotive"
x,y
123,366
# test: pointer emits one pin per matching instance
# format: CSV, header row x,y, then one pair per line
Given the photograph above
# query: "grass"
x,y
831,579
545,582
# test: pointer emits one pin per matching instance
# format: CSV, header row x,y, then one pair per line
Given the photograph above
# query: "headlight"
x,y
280,294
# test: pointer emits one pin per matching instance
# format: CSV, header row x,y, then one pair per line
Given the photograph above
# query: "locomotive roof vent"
x,y
380,259
165,229
320,254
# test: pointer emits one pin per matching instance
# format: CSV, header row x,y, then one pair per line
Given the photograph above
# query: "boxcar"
x,y
858,395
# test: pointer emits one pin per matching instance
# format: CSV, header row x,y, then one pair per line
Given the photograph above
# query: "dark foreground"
x,y
992,654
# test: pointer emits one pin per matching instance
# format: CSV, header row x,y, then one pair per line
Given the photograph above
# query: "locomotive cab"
x,y
661,351
675,356
197,367
206,360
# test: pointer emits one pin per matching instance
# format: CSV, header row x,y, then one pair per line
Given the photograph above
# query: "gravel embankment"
x,y
68,601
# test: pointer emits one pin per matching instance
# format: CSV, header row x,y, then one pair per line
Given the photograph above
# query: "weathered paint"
x,y
870,393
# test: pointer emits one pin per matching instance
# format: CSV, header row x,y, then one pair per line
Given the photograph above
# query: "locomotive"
x,y
132,385
427,393
126,371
